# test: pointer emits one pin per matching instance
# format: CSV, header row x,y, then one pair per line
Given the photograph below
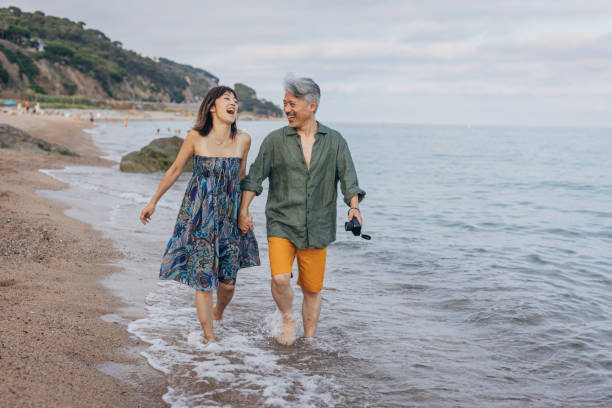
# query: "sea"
x,y
487,282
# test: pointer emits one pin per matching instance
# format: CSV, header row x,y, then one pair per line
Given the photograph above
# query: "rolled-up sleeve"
x,y
347,174
260,169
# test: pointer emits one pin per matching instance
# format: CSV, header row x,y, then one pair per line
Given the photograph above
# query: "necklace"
x,y
222,142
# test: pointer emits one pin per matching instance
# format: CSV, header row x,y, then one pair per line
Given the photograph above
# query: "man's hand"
x,y
245,222
354,212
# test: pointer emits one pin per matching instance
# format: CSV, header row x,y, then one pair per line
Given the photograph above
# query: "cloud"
x,y
351,50
551,52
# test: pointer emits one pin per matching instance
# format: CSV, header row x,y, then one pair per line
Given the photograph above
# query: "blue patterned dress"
x,y
207,247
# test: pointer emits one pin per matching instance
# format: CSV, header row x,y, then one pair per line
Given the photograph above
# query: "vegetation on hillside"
x,y
249,102
62,41
50,58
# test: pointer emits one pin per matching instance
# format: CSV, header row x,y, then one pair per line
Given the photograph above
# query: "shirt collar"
x,y
322,130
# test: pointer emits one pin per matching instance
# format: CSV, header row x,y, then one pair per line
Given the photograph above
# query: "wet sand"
x,y
55,349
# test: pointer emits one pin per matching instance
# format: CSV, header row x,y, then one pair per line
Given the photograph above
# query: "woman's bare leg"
x,y
205,312
224,296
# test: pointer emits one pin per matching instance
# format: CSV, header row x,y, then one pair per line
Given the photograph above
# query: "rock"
x,y
156,156
13,138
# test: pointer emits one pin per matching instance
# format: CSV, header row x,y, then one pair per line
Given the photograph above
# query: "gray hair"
x,y
303,88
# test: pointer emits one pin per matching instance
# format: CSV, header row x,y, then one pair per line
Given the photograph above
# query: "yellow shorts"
x,y
311,262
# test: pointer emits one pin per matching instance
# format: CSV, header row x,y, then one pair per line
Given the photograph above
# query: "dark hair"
x,y
204,121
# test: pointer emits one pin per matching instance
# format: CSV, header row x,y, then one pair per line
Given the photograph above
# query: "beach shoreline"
x,y
120,115
55,347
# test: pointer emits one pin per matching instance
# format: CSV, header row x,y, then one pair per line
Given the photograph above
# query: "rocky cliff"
x,y
51,56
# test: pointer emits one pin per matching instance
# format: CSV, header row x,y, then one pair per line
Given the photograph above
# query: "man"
x,y
303,162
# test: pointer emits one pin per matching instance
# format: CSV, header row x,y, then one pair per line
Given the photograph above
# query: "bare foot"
x,y
216,314
287,334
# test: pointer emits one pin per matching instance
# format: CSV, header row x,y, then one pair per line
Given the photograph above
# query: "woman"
x,y
207,249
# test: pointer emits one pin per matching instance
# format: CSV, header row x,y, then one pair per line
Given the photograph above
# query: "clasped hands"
x,y
245,222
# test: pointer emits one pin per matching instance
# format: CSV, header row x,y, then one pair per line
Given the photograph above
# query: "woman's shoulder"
x,y
244,139
243,136
244,142
192,134
192,137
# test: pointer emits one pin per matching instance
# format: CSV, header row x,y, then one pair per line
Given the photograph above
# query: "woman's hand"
x,y
146,213
171,175
245,222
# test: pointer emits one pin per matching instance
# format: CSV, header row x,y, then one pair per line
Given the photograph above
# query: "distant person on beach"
x,y
207,249
303,162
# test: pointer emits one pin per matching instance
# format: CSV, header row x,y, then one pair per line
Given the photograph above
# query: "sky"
x,y
500,62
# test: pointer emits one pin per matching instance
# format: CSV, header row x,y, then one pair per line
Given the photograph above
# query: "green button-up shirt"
x,y
302,202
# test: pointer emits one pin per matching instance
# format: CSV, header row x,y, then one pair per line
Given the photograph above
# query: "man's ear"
x,y
313,106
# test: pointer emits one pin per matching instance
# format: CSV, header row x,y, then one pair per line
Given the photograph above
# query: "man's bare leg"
x,y
203,300
283,296
224,296
311,308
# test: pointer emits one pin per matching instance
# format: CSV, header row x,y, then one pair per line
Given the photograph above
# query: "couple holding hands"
x,y
213,236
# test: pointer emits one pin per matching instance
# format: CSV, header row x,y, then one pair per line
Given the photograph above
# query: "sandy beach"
x,y
55,350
